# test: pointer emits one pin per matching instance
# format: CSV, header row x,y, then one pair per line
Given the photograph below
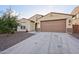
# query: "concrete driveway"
x,y
46,43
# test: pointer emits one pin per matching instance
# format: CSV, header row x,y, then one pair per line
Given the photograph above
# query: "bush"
x,y
8,23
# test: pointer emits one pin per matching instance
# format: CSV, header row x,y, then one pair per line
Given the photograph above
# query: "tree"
x,y
8,23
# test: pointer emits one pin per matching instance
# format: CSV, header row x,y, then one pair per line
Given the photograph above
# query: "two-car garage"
x,y
55,22
53,25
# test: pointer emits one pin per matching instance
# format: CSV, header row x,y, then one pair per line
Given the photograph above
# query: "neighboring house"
x,y
76,13
75,21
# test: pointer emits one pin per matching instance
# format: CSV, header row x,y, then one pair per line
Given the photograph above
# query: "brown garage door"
x,y
53,26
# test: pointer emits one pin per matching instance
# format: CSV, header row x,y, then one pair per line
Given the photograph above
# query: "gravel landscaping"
x,y
12,39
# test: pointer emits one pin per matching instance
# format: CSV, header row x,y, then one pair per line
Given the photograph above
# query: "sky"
x,y
26,11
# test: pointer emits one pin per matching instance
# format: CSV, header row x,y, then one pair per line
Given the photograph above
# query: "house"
x,y
55,22
51,22
58,22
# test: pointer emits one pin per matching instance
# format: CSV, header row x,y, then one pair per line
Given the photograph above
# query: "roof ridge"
x,y
35,15
60,13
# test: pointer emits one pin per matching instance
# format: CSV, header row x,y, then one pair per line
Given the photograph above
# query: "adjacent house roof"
x,y
75,11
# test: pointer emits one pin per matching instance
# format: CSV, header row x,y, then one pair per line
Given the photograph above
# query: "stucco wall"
x,y
32,26
25,23
75,22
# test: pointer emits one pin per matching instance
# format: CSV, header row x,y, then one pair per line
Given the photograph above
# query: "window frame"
x,y
23,27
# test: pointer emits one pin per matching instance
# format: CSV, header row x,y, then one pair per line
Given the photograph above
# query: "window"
x,y
23,27
69,21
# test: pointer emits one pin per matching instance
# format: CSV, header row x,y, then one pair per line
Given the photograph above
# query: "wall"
x,y
25,23
32,26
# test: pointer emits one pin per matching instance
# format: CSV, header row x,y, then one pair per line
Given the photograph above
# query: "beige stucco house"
x,y
51,22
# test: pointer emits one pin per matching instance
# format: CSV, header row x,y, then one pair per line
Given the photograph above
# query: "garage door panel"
x,y
53,26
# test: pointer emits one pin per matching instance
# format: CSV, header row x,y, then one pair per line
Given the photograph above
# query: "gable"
x,y
23,20
35,17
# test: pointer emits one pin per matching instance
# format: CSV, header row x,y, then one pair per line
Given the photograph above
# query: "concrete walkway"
x,y
46,43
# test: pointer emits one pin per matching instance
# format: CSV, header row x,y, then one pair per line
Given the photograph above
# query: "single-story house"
x,y
58,22
51,22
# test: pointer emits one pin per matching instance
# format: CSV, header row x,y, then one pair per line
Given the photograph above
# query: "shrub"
x,y
8,23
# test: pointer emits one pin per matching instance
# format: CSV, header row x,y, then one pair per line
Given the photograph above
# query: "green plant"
x,y
8,23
